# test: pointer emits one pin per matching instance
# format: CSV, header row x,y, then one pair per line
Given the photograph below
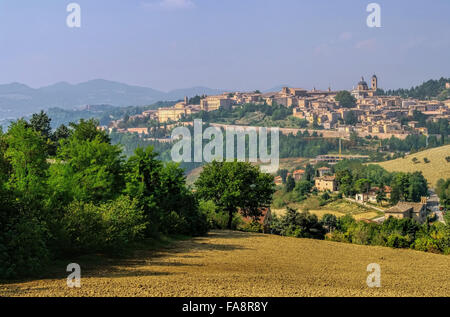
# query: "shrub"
x,y
426,244
396,240
23,250
108,227
217,219
253,226
300,225
123,223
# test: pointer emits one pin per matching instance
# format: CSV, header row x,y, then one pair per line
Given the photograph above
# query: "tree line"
x,y
71,191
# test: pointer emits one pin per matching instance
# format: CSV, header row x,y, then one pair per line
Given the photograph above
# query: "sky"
x,y
225,44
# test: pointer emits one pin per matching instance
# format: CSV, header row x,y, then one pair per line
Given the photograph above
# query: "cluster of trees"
x,y
305,145
295,191
427,90
298,224
354,177
414,143
235,187
443,191
274,112
71,191
196,99
345,99
395,233
440,127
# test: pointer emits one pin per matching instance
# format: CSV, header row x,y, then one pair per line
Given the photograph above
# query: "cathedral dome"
x,y
362,85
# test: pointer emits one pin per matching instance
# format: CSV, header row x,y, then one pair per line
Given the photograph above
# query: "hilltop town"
x,y
364,110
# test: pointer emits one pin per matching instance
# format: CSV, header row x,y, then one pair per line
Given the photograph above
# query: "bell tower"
x,y
374,83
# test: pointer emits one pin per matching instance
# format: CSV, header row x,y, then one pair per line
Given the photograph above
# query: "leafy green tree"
x,y
236,186
290,184
381,195
23,190
400,184
362,185
417,186
443,191
344,179
87,169
27,154
303,188
309,173
345,99
350,118
61,133
300,225
283,173
143,178
41,123
329,221
111,226
87,130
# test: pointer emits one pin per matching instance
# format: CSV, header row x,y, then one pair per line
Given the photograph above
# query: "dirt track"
x,y
242,264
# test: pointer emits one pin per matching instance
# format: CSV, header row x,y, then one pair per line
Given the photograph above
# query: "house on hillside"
x,y
403,210
324,171
326,183
278,180
298,174
371,195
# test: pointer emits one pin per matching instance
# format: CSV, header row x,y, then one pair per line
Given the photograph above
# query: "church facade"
x,y
363,90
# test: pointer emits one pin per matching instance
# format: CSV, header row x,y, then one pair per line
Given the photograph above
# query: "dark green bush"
x,y
109,227
23,251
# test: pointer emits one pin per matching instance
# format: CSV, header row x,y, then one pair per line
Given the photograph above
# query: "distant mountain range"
x,y
17,100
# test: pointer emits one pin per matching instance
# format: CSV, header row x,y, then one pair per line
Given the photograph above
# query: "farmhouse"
x,y
298,174
324,171
278,180
402,210
326,183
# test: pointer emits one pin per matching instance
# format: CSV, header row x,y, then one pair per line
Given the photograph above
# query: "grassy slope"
x,y
433,171
229,263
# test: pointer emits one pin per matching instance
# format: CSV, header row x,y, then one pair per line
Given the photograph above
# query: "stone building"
x,y
363,90
212,103
402,210
174,113
326,183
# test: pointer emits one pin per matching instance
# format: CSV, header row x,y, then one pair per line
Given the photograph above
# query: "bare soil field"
x,y
228,263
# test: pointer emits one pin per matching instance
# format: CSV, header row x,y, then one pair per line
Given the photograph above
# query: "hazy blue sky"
x,y
229,44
